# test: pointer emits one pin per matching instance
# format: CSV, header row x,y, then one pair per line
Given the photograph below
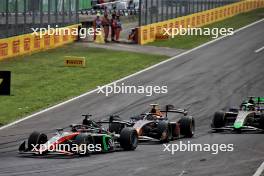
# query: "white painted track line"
x,y
137,73
259,50
259,170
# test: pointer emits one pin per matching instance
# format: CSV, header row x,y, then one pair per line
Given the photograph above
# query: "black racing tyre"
x,y
115,127
219,119
128,138
36,138
187,126
83,141
164,131
261,122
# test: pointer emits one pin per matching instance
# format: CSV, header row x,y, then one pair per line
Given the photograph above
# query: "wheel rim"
x,y
164,135
134,140
192,127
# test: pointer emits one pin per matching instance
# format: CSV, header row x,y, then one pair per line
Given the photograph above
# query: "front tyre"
x,y
187,126
261,122
36,138
128,138
218,120
164,131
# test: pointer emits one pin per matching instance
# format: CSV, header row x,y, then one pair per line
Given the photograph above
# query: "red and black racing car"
x,y
155,125
82,139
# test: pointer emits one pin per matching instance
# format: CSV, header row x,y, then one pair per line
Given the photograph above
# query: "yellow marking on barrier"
x,y
30,43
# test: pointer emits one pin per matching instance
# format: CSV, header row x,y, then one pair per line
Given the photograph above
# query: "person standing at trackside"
x,y
97,24
113,26
106,25
118,28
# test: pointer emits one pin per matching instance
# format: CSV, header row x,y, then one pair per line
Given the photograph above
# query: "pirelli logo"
x,y
72,61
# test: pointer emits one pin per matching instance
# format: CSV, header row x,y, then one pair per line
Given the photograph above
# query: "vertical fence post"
x,y
49,12
146,12
77,11
41,12
151,11
167,9
16,17
200,6
207,5
189,7
33,12
70,14
171,9
25,15
180,8
56,11
157,14
162,10
140,13
63,13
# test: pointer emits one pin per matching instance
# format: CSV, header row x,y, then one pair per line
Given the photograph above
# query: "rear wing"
x,y
172,109
113,120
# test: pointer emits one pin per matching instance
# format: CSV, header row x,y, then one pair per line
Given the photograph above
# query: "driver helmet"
x,y
251,101
155,110
87,121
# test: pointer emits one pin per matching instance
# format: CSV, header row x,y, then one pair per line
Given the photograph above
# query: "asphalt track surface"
x,y
206,80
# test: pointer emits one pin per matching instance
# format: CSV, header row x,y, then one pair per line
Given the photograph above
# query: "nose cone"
x,y
238,125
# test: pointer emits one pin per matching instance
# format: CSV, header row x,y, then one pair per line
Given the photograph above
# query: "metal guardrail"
x,y
125,12
160,10
19,16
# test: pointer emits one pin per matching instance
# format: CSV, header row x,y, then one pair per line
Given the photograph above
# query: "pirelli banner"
x,y
150,32
29,43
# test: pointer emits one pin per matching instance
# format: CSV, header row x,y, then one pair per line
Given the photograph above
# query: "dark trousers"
x,y
112,33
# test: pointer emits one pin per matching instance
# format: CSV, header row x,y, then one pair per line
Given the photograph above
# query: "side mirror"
x,y
185,113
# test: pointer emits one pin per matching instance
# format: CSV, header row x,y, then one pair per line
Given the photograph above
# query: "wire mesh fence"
x,y
20,16
160,10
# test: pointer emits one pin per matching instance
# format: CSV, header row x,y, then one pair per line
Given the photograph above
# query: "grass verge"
x,y
40,80
188,42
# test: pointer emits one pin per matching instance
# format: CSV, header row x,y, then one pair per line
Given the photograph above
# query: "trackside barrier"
x,y
30,43
149,32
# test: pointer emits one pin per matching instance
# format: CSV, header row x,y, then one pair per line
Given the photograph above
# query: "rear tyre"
x,y
128,138
218,120
36,138
115,127
187,126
